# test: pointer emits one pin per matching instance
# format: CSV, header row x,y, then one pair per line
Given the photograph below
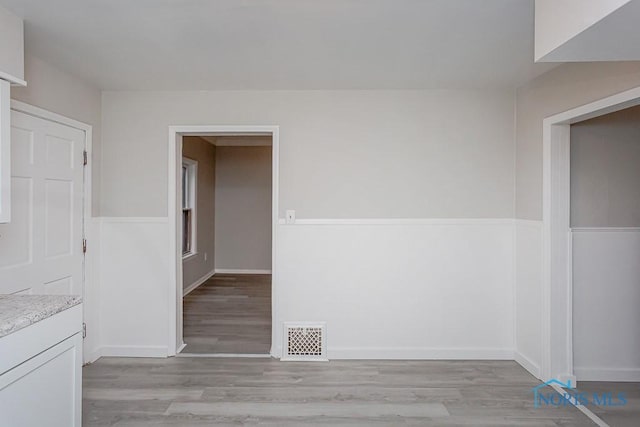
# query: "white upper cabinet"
x,y
11,73
11,48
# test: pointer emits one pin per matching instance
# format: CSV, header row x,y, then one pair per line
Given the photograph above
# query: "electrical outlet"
x,y
205,256
290,216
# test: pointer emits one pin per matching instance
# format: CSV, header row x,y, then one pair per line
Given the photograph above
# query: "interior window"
x,y
189,197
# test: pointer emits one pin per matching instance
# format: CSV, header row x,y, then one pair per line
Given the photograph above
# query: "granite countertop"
x,y
20,311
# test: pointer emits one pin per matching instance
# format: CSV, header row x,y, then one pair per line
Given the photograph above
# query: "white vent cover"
x,y
305,341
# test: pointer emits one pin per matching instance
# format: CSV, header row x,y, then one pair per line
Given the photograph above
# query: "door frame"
x,y
175,296
89,300
557,286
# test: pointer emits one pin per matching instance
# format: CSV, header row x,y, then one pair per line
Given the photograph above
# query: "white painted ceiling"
x,y
613,38
285,44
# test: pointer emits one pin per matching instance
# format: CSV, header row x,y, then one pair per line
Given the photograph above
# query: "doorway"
x,y
605,227
557,284
225,305
226,244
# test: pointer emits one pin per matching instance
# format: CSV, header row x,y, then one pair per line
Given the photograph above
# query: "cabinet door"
x,y
45,390
5,153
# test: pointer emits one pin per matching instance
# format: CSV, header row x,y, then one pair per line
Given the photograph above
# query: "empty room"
x,y
340,212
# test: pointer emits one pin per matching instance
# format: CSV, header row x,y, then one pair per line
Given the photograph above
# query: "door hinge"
x,y
84,330
84,246
84,156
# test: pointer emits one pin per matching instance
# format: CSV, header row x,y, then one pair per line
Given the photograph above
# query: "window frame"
x,y
190,202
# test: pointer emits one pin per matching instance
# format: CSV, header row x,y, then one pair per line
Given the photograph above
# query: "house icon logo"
x,y
546,397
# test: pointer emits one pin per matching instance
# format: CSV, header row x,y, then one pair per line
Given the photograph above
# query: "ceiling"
x,y
285,44
239,140
615,37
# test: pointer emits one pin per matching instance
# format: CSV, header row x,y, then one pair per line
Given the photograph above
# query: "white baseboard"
x,y
567,379
240,271
198,282
399,221
128,219
527,364
608,374
93,356
225,355
132,351
418,353
276,352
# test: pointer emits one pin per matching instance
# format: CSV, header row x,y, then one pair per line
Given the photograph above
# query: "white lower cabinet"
x,y
43,388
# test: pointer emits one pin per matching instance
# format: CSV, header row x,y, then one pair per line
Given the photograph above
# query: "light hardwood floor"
x,y
619,416
235,391
229,314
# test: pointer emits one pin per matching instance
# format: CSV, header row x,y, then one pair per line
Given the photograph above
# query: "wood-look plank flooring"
x,y
229,314
240,391
619,416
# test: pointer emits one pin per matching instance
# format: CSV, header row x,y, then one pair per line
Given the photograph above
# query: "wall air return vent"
x,y
305,341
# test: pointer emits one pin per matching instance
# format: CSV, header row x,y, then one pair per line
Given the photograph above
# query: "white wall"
x,y
405,153
134,282
430,290
409,290
200,266
243,208
11,44
606,293
558,21
605,170
438,289
528,298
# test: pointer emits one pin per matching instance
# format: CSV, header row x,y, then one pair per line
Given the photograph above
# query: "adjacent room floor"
x,y
247,391
229,314
627,415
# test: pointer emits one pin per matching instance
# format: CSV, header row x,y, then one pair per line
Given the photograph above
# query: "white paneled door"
x,y
41,248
